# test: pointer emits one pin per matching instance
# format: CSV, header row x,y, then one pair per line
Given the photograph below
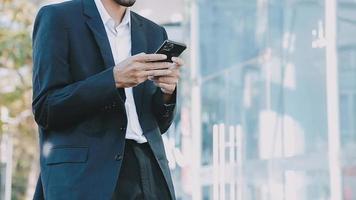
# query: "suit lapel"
x,y
138,45
97,27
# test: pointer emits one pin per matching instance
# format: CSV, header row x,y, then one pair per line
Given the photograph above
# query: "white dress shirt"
x,y
120,41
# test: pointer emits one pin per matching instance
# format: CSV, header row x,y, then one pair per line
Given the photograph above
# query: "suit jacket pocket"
x,y
67,154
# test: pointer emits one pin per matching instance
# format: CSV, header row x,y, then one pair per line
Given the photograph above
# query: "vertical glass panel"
x,y
346,44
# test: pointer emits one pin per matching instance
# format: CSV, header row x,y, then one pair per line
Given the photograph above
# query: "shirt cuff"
x,y
172,100
170,105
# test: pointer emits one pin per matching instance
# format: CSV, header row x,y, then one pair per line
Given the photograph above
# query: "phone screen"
x,y
171,49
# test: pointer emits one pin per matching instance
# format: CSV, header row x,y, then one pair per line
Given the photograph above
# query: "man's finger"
x,y
178,61
166,79
142,57
157,65
166,86
158,72
174,74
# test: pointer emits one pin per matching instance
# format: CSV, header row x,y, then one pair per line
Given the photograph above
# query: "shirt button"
x,y
118,157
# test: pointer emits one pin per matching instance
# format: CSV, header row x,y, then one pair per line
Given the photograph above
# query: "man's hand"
x,y
136,69
168,82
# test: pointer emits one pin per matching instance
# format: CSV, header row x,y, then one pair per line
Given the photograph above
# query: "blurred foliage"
x,y
15,88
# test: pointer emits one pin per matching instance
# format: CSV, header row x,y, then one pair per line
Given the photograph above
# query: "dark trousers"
x,y
140,177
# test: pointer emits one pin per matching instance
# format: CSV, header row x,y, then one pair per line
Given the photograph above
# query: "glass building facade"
x,y
256,101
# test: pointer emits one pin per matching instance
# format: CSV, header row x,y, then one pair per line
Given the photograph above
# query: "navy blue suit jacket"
x,y
80,113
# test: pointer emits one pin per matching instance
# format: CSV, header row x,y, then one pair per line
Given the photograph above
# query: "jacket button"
x,y
118,157
122,128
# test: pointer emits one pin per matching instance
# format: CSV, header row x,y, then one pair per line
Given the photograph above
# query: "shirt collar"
x,y
107,19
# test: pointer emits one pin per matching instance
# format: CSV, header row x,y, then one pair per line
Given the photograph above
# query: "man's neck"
x,y
115,10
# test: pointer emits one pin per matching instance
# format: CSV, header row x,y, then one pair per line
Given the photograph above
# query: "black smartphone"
x,y
171,49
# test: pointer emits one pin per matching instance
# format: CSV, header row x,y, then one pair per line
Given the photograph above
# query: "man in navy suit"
x,y
101,101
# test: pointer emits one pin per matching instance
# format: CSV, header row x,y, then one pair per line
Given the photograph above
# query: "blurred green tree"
x,y
15,91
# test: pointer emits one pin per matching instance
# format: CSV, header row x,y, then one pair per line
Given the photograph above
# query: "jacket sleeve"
x,y
58,101
164,112
39,190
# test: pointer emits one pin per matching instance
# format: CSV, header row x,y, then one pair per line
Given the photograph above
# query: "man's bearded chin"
x,y
126,3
